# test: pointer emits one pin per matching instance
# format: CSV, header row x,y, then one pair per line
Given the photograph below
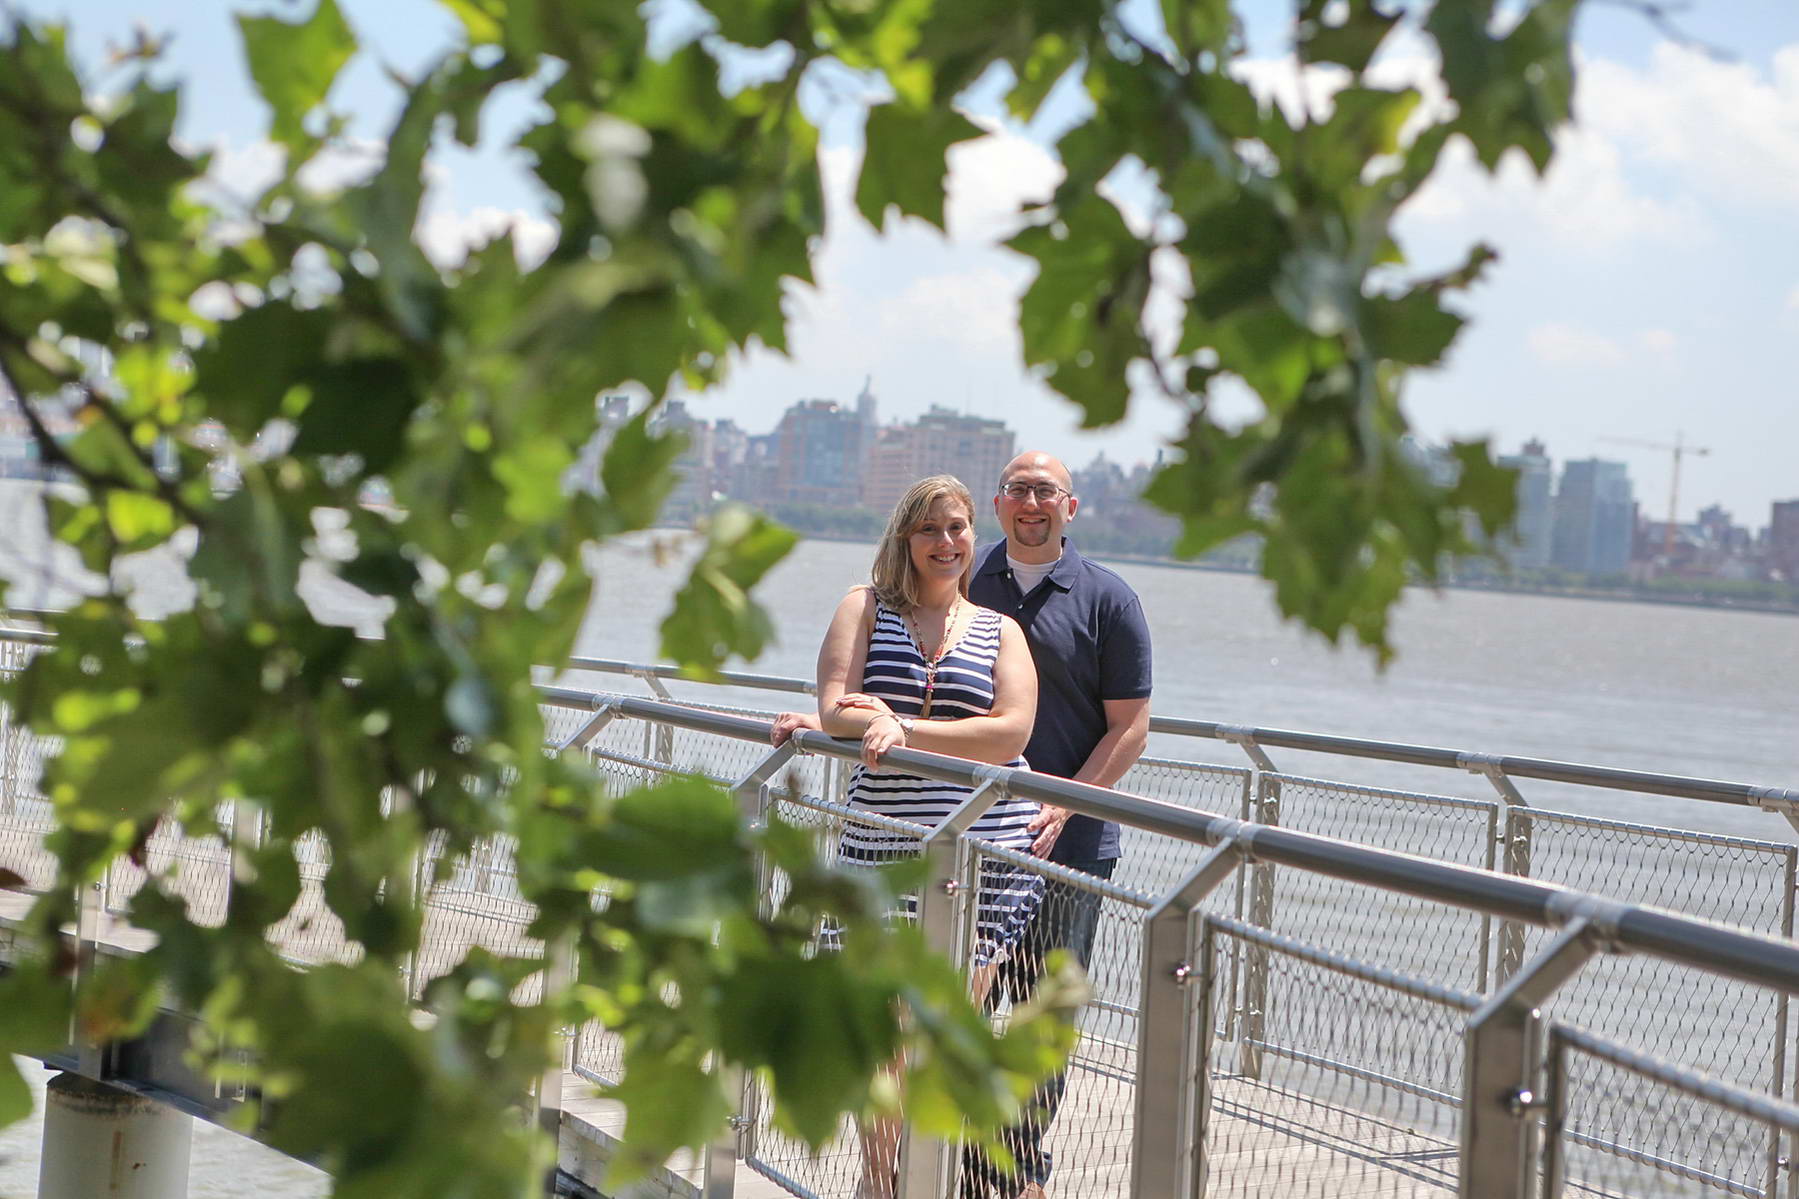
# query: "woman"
x,y
909,661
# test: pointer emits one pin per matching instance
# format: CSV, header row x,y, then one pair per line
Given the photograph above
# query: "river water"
x,y
1704,692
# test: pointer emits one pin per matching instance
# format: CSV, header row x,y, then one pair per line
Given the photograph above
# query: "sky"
x,y
1647,288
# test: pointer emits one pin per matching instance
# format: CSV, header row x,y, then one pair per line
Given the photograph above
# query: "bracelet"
x,y
904,724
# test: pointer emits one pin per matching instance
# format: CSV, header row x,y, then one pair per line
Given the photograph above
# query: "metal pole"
x,y
738,1138
1500,1102
924,1162
1171,1044
1555,1073
1255,957
101,1141
1789,880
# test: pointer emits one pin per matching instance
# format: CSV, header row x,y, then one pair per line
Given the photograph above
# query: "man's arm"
x,y
1127,731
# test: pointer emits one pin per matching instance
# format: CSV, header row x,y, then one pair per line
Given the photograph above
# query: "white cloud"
x,y
1659,341
448,237
976,309
990,178
1722,128
1560,344
1793,299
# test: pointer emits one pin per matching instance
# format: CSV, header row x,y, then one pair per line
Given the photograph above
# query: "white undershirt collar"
x,y
1028,574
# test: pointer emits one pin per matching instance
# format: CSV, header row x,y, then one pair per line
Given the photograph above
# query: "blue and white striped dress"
x,y
895,672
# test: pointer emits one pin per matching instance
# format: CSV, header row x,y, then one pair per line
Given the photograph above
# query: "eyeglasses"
x,y
1046,493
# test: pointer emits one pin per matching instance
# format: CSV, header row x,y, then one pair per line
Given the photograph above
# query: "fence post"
x,y
1555,1079
1516,861
719,1167
1517,847
1173,1043
1790,880
1255,957
924,1162
1500,1101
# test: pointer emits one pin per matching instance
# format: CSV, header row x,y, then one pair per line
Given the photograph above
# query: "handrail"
x,y
1780,799
1582,774
1748,957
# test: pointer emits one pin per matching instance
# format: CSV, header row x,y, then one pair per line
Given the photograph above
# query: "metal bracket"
x,y
1492,766
1244,738
603,713
654,683
1777,799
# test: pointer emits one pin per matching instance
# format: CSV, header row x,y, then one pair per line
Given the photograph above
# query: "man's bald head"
x,y
1034,518
1034,462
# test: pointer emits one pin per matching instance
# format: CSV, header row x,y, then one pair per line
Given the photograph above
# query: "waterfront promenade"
x,y
1339,994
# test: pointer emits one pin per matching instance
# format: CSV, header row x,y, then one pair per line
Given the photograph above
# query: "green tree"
x,y
331,353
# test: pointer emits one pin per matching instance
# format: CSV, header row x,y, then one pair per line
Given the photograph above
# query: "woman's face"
x,y
942,544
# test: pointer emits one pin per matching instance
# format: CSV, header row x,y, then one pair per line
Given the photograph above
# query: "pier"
x,y
1302,986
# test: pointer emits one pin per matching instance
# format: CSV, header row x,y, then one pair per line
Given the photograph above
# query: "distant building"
x,y
1595,518
819,455
941,441
692,493
1536,506
1783,539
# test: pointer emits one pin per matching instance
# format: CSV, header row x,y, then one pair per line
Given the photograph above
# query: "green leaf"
x,y
1413,328
257,357
295,63
358,407
669,1101
1349,37
714,616
904,162
638,472
15,1093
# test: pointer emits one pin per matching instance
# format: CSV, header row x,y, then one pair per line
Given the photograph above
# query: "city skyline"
x,y
1648,288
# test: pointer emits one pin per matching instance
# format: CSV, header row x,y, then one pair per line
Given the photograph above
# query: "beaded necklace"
x,y
931,660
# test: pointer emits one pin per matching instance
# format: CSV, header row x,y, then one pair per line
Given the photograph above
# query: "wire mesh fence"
x,y
1153,864
1729,1029
1441,943
838,1169
1076,1135
190,864
1625,1122
1364,1099
1336,1011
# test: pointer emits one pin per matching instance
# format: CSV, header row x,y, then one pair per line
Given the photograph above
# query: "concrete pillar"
x,y
104,1143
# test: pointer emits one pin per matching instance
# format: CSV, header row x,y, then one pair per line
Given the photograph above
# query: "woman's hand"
x,y
788,723
862,700
882,734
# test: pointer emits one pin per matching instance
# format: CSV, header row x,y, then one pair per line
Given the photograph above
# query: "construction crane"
x,y
1679,449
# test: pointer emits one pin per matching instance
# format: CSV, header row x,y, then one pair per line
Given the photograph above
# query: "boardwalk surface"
x,y
1263,1140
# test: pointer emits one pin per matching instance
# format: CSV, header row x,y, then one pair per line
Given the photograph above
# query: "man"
x,y
1090,643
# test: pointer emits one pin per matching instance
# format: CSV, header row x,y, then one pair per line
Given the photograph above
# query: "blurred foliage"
x,y
298,346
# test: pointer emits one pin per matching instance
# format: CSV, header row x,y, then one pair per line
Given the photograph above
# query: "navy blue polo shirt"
x,y
1090,642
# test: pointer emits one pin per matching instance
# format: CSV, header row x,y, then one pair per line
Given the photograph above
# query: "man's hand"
x,y
1047,824
788,723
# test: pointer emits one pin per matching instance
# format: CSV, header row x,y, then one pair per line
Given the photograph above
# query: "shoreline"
x,y
1601,594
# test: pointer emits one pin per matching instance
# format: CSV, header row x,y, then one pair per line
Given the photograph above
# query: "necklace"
x,y
931,660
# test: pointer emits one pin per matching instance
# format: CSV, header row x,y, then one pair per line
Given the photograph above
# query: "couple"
x,y
1036,650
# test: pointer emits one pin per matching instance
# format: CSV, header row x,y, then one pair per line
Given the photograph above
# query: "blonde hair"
x,y
895,578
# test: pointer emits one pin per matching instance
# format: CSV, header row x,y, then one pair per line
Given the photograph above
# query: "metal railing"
x,y
1277,1007
1341,1058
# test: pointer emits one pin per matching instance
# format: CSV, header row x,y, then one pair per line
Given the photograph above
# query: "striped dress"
x,y
895,672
